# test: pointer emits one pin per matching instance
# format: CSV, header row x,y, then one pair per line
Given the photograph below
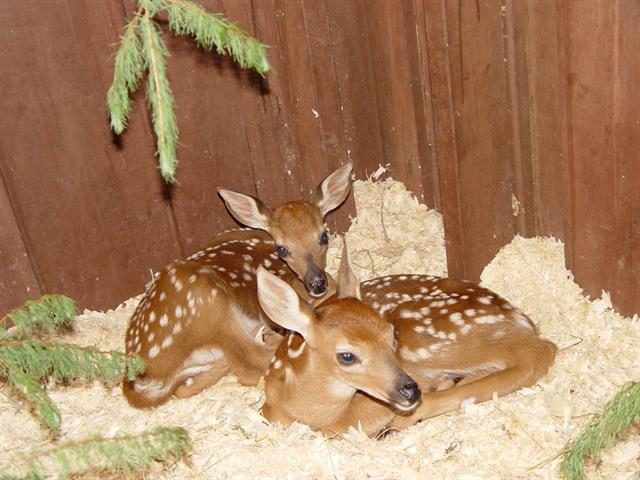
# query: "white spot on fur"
x,y
167,342
164,320
484,300
154,351
467,402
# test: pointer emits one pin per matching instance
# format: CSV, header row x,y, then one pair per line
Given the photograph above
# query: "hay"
x,y
513,437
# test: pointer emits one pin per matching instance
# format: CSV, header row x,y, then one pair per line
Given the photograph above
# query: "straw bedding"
x,y
517,436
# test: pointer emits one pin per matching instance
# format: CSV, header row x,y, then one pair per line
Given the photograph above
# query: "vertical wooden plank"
x,y
387,42
546,75
592,39
625,159
354,71
17,279
471,35
417,49
444,142
86,207
516,44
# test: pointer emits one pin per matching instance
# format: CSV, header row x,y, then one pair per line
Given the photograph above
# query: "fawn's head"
x,y
298,227
350,346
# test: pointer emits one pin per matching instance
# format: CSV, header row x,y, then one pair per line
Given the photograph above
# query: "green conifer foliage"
x,y
142,49
122,453
615,419
26,363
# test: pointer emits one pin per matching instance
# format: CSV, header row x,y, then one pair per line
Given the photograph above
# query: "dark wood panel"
x,y
414,12
17,280
546,75
476,57
213,148
473,104
445,133
626,124
85,207
387,43
593,83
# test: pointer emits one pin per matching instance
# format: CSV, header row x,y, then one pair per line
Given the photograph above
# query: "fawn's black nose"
x,y
409,389
317,285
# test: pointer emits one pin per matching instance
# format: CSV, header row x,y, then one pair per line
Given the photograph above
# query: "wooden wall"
x,y
477,105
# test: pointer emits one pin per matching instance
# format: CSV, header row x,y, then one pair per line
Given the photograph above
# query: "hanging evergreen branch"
x,y
126,76
51,312
142,49
213,31
616,418
160,96
123,453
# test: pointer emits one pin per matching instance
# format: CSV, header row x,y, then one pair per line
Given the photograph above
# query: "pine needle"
x,y
122,453
213,31
50,312
160,96
616,418
127,72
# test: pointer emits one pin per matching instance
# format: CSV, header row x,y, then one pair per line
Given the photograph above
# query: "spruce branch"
x,y
142,49
617,416
213,31
25,363
160,96
127,72
51,312
122,453
65,363
33,392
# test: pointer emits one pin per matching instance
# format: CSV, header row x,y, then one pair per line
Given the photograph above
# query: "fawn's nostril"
x,y
410,391
318,285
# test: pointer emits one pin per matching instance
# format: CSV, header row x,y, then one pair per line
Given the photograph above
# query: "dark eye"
x,y
282,251
346,358
324,238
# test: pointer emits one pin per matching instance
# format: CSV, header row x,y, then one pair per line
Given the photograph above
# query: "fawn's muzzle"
x,y
408,392
315,281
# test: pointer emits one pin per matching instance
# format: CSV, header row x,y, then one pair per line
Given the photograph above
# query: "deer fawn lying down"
x,y
200,318
348,362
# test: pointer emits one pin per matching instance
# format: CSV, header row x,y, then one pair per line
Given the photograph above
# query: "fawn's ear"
x,y
246,209
348,283
282,304
333,190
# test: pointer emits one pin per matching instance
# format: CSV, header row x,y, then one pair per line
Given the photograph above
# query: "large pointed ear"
x,y
348,283
246,209
333,190
282,304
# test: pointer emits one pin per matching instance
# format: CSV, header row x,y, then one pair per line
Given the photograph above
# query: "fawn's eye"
x,y
324,238
346,358
282,251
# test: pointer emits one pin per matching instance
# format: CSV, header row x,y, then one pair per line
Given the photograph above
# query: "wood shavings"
x,y
517,436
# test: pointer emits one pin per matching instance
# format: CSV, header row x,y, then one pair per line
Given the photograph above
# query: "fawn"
x,y
200,320
349,362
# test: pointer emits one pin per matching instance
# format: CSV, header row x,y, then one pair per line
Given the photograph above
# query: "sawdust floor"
x,y
517,436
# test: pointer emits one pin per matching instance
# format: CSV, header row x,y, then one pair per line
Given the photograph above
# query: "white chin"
x,y
317,295
404,408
